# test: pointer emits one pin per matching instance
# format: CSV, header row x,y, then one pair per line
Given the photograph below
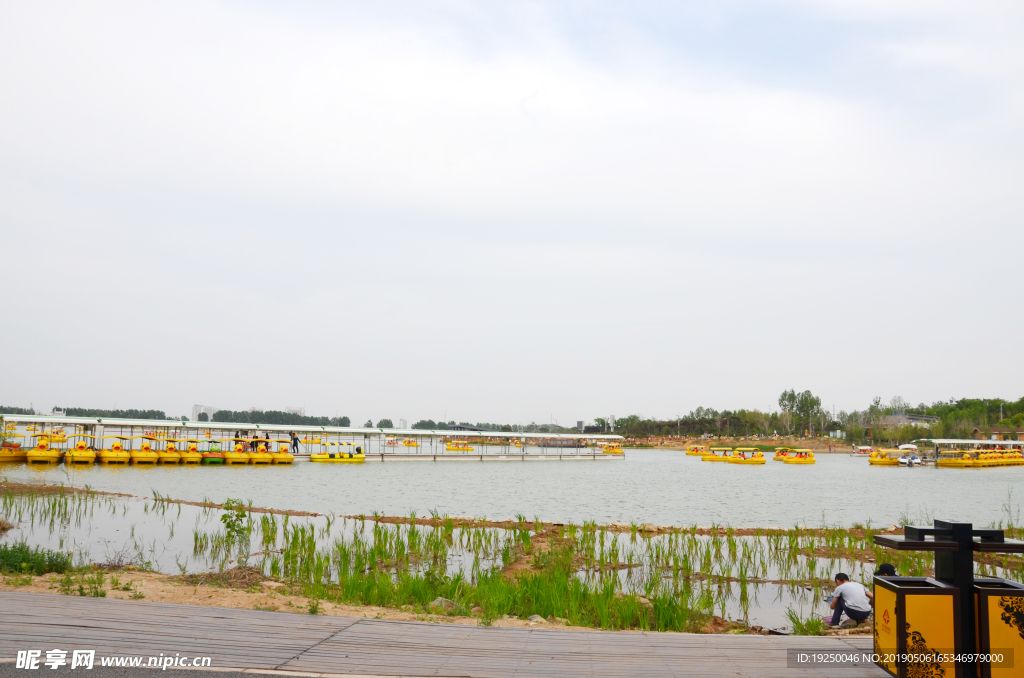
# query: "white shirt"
x,y
854,596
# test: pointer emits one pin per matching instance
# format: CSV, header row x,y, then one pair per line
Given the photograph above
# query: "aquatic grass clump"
x,y
21,558
805,626
408,565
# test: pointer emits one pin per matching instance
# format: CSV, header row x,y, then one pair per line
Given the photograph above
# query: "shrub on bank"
x,y
19,557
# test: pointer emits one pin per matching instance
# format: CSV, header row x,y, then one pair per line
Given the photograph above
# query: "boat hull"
x,y
80,457
143,457
44,456
113,457
13,454
340,458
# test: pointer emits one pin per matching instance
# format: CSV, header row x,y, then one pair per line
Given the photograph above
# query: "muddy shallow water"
x,y
167,536
657,486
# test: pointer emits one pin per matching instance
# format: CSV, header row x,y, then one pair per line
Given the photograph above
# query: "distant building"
x,y
899,417
301,411
198,409
998,434
579,426
403,424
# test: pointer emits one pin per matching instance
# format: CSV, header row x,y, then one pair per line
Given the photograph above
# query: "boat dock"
x,y
377,444
299,644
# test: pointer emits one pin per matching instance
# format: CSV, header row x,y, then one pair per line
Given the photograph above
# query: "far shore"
x,y
818,445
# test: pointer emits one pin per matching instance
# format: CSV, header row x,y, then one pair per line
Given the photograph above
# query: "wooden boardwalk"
x,y
249,639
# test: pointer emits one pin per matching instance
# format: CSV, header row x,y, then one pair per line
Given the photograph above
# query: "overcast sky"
x,y
509,211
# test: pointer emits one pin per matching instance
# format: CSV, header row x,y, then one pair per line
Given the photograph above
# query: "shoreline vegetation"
x,y
613,576
800,416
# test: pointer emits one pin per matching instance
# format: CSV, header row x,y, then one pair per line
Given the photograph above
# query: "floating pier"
x,y
74,439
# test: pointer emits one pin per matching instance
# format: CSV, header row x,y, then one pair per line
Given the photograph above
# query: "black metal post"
x,y
957,568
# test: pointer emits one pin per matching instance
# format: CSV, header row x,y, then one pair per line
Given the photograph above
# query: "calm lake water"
x,y
656,486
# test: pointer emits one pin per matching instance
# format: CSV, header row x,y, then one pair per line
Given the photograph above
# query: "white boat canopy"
x,y
285,428
970,441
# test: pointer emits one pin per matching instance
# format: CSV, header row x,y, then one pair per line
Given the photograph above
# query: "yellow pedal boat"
x,y
192,455
884,458
756,458
11,451
339,457
282,456
42,453
782,453
13,454
169,455
145,454
116,454
80,454
237,456
696,450
800,457
726,452
260,456
459,446
962,460
611,448
409,442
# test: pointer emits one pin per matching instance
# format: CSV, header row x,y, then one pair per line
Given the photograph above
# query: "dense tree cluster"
x,y
278,418
800,413
431,425
114,414
16,410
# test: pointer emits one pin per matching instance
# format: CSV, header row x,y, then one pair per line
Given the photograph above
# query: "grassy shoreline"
x,y
615,576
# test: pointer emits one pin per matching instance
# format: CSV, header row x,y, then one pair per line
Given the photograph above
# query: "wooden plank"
x,y
317,644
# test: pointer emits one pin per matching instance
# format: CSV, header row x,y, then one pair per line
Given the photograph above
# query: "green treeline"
x,y
798,414
892,422
16,410
431,425
114,414
278,418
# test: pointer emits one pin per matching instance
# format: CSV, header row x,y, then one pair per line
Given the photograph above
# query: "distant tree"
x,y
898,403
272,417
368,424
763,422
807,407
385,423
115,414
16,410
787,401
343,422
203,416
786,421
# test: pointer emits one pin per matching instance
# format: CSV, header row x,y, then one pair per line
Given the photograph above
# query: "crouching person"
x,y
852,598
